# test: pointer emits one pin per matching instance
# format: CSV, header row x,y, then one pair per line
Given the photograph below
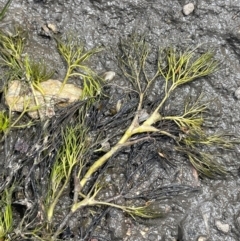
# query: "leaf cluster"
x,y
72,165
70,154
6,218
183,67
174,69
4,10
37,72
20,66
192,117
4,121
11,51
76,57
132,60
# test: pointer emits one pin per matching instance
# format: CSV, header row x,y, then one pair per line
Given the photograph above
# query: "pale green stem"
x,y
16,121
36,101
20,116
59,193
101,161
150,81
92,202
132,130
155,116
69,70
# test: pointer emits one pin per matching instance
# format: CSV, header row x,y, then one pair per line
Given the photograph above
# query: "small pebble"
x,y
52,27
46,31
118,106
188,9
108,76
202,238
237,93
224,227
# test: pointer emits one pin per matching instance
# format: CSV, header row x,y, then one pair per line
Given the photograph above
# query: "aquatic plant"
x,y
75,56
11,50
67,148
36,72
19,65
7,122
4,10
174,69
6,218
69,155
4,121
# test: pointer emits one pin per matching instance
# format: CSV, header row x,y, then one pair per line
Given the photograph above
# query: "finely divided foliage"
x,y
66,147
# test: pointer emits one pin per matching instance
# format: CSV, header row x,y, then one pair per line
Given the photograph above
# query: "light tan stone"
x,y
40,103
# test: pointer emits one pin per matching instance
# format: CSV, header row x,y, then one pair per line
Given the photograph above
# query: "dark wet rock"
x,y
21,146
152,237
195,224
116,224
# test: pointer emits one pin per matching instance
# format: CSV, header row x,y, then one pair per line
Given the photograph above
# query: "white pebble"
x,y
202,238
237,93
188,8
224,227
52,27
108,76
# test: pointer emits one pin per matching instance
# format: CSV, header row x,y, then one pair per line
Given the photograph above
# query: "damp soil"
x,y
193,207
